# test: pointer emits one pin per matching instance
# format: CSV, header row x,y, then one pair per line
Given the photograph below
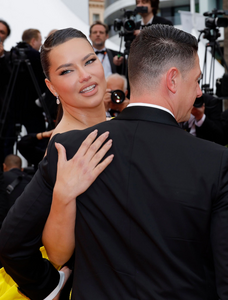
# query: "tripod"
x,y
214,46
18,63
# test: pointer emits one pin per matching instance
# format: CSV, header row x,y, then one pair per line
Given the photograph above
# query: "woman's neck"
x,y
81,119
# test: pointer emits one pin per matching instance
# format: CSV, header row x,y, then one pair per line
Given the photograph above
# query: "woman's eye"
x,y
65,72
90,61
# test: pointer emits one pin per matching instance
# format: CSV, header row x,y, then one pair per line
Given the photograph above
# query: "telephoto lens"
x,y
117,96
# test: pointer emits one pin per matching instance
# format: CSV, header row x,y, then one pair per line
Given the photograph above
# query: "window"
x,y
96,17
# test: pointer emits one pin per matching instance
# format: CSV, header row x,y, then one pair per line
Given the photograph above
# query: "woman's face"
x,y
76,75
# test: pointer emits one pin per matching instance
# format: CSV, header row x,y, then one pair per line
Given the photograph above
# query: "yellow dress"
x,y
8,287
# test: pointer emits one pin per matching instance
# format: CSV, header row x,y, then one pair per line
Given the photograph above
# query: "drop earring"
x,y
57,99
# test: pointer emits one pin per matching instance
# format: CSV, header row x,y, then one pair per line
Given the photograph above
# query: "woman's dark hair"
x,y
7,26
57,38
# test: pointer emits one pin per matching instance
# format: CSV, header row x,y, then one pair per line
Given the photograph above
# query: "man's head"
x,y
4,30
163,58
11,162
33,38
152,5
117,82
98,34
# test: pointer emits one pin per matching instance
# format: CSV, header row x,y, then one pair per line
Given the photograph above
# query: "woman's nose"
x,y
83,75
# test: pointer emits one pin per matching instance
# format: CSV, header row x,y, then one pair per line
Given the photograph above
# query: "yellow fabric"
x,y
8,287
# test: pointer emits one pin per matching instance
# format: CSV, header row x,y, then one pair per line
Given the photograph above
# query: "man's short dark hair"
x,y
13,161
154,5
7,26
29,34
98,23
156,49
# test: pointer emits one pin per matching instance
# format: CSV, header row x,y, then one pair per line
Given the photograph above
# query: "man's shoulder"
x,y
161,20
112,52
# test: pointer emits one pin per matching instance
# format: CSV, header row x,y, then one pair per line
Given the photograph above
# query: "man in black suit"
x,y
22,108
15,179
154,224
4,73
150,17
110,59
4,59
205,121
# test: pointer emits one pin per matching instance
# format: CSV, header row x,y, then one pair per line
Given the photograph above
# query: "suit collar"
x,y
147,114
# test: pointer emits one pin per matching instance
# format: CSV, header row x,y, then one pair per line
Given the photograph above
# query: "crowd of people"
x,y
129,197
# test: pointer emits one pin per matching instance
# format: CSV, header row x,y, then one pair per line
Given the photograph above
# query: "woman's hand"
x,y
67,273
77,174
74,176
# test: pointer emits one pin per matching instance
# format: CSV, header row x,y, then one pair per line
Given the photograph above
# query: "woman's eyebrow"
x,y
87,56
70,64
64,66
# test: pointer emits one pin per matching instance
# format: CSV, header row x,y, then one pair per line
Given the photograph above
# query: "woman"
x,y
76,77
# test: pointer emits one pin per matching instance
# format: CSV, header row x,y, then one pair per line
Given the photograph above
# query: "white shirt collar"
x,y
104,49
151,105
150,21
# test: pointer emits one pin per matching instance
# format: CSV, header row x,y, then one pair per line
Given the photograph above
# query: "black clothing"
x,y
143,227
156,20
115,69
211,128
9,177
22,109
32,149
4,207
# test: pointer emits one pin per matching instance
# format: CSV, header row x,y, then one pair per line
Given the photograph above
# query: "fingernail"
x,y
106,133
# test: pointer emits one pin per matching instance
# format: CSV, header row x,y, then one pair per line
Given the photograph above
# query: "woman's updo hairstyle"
x,y
57,38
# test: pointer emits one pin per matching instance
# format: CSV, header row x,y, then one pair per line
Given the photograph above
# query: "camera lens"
x,y
117,96
129,25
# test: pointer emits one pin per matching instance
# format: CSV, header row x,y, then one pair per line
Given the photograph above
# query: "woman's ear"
x,y
50,87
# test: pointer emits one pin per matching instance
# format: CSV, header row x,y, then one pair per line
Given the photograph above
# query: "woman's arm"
x,y
73,178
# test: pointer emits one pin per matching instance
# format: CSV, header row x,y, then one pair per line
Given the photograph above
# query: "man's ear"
x,y
32,41
172,77
50,87
4,167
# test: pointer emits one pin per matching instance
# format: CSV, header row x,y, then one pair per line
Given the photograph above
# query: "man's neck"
x,y
147,18
98,47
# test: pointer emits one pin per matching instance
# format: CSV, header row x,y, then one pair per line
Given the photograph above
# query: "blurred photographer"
x,y
25,57
115,97
4,58
150,17
205,120
110,59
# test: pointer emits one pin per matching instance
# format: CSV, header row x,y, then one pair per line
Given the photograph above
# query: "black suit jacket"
x,y
156,20
5,71
4,205
145,228
10,177
115,69
211,128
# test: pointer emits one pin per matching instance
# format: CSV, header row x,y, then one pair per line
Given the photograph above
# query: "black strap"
x,y
12,185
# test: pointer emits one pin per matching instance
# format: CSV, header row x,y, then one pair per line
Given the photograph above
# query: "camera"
x,y
212,22
199,102
117,96
127,25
